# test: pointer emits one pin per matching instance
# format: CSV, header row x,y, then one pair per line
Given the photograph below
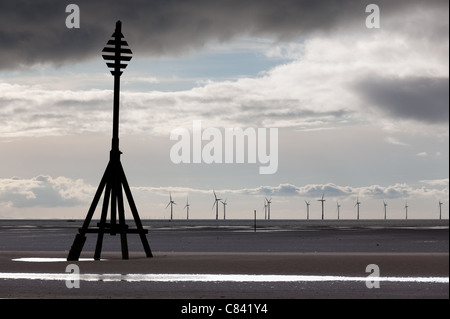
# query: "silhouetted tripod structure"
x,y
113,181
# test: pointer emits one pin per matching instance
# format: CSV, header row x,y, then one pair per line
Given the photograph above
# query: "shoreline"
x,y
112,276
248,223
231,248
282,263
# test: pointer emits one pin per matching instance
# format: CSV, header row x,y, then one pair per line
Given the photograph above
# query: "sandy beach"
x,y
180,249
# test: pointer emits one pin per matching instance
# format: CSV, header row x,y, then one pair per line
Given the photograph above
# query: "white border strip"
x,y
212,278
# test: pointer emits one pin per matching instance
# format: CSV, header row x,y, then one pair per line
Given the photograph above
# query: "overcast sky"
x,y
361,113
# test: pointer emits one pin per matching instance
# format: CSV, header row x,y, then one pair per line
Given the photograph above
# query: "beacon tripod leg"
x,y
137,220
102,224
80,238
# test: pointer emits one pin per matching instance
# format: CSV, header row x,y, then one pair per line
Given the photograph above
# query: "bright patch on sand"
x,y
48,260
214,278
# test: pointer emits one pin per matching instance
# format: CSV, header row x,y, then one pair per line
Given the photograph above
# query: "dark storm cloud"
x,y
416,98
34,31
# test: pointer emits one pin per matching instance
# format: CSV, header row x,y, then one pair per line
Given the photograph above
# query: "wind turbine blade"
x,y
167,205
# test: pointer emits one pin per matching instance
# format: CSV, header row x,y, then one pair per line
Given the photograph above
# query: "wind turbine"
x,y
224,205
307,209
385,205
357,204
406,209
171,203
265,209
269,201
187,208
322,200
440,209
216,203
338,206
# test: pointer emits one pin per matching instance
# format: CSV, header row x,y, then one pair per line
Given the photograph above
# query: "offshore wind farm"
x,y
320,213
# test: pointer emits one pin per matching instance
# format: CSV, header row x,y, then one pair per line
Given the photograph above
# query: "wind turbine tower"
x,y
440,209
385,205
187,208
216,203
338,206
171,203
224,206
322,200
307,209
406,209
357,209
269,201
265,209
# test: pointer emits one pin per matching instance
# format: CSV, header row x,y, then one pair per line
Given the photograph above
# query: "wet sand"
x,y
404,252
309,264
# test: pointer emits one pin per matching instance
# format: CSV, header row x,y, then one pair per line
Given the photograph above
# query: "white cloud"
x,y
43,191
45,196
393,140
422,154
315,191
436,182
